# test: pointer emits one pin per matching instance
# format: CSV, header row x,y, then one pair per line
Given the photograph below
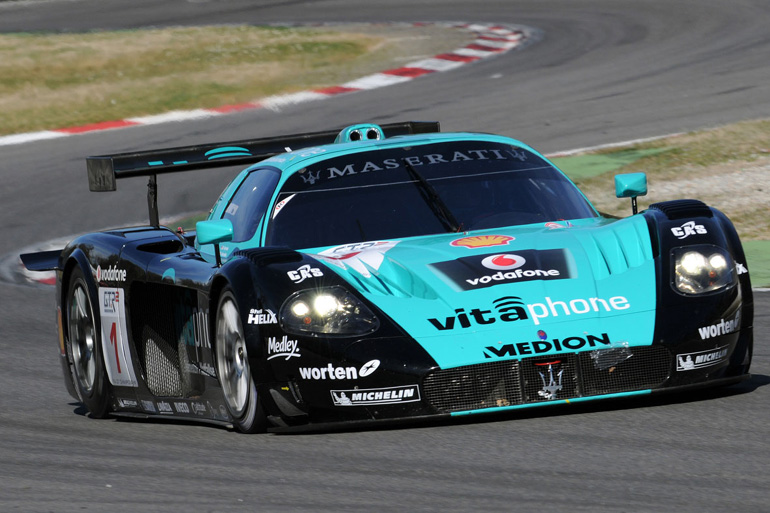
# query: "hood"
x,y
513,292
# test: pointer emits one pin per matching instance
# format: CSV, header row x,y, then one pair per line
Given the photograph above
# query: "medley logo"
x,y
512,308
283,347
692,361
332,372
538,347
112,273
479,271
723,327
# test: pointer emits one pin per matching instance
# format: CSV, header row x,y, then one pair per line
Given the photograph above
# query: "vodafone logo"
x,y
112,273
503,262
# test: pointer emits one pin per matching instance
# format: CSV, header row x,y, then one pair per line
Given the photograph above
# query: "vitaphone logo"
x,y
512,308
112,273
479,271
546,346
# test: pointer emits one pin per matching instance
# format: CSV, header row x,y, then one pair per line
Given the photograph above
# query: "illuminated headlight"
x,y
327,311
702,269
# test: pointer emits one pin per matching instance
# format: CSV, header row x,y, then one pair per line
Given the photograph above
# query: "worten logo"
x,y
332,372
112,273
546,346
723,327
512,308
479,271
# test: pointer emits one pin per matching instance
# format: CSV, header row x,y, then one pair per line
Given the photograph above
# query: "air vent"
x,y
680,209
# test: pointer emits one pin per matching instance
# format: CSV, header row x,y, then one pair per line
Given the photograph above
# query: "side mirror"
x,y
631,185
214,232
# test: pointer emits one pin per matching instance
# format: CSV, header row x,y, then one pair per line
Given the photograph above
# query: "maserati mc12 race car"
x,y
393,272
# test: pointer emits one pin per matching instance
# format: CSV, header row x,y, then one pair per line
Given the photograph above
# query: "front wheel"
x,y
233,368
84,349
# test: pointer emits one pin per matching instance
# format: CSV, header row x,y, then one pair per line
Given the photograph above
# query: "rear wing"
x,y
105,170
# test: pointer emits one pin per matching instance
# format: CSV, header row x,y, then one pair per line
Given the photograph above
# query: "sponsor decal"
x,y
112,273
279,206
692,361
551,381
741,268
117,354
148,406
127,403
723,327
512,308
164,407
282,348
391,395
304,272
538,347
195,326
262,316
332,372
687,229
364,257
480,271
181,407
554,226
420,160
482,241
198,408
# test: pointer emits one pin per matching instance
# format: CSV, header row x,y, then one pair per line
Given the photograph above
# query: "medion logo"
x,y
112,273
546,346
512,308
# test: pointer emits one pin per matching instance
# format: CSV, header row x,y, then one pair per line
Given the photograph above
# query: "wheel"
x,y
233,368
84,348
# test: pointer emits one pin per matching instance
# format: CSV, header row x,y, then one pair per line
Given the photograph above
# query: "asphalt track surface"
x,y
604,71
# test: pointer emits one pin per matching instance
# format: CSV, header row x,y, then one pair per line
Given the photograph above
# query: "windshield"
x,y
409,191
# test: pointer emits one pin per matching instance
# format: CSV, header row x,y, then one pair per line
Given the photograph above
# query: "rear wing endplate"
x,y
105,170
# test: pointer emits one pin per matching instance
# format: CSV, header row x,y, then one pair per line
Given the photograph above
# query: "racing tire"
x,y
84,348
233,368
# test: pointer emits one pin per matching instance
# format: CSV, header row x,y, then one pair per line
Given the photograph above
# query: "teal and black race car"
x,y
393,272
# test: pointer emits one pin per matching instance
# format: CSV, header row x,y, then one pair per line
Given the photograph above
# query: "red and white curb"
x,y
491,40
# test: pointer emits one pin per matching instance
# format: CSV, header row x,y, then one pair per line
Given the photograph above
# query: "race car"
x,y
391,272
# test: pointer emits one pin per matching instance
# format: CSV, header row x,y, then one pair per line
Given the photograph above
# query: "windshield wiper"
x,y
433,200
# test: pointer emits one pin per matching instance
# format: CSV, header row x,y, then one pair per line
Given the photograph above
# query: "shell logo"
x,y
482,241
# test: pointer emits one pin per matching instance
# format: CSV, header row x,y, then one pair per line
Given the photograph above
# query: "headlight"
x,y
702,269
326,311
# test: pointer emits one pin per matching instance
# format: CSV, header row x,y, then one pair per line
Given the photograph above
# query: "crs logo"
x,y
687,229
503,262
304,273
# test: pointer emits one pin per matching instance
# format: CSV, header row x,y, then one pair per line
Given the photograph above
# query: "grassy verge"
x,y
727,167
59,80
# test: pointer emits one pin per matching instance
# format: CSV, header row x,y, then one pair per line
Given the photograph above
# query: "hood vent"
x,y
680,209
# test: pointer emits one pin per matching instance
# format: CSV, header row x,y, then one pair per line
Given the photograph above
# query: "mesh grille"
x,y
680,209
157,344
487,385
646,367
161,365
548,378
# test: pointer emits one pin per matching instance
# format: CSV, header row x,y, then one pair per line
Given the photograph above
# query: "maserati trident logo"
x,y
551,381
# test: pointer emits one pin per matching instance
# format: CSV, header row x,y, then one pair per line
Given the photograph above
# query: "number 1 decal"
x,y
114,342
115,346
